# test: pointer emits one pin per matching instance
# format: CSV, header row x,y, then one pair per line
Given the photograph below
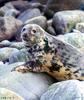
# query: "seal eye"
x,y
34,31
23,29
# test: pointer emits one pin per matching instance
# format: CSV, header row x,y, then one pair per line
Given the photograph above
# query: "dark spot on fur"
x,y
82,74
35,46
2,22
56,51
33,64
50,43
55,67
67,69
46,46
69,65
76,71
3,29
58,44
69,74
52,51
30,50
76,75
63,53
38,63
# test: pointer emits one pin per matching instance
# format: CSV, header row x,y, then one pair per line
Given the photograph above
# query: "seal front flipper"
x,y
30,66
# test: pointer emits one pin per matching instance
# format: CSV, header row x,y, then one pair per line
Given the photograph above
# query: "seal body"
x,y
51,55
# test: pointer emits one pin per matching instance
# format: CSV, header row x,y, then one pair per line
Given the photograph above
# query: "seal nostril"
x,y
24,35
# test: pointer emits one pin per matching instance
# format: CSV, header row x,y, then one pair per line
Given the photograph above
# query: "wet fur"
x,y
60,60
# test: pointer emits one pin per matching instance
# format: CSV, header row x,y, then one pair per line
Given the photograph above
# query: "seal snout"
x,y
24,35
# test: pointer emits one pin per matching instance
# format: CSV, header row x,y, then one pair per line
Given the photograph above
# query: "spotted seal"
x,y
51,55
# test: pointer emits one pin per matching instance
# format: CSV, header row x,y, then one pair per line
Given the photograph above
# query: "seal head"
x,y
30,34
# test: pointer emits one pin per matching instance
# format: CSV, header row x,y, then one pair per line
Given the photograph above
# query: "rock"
x,y
49,22
24,5
80,27
30,86
8,10
75,39
51,30
6,52
5,43
66,90
18,45
20,5
28,14
1,63
7,94
7,68
40,20
65,21
58,5
8,27
19,56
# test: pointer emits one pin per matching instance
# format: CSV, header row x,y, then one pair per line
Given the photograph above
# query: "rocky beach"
x,y
63,20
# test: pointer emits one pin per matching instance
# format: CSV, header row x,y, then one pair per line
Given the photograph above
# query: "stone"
x,y
59,5
5,43
40,20
17,45
49,22
65,21
75,39
24,5
9,10
28,14
1,63
9,27
29,86
7,68
51,30
19,56
5,93
80,27
66,90
6,52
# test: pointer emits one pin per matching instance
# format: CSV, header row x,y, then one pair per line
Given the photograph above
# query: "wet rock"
x,y
80,27
58,5
66,90
5,93
1,63
7,68
8,10
5,43
28,14
49,22
6,52
65,21
40,20
75,39
20,5
29,86
18,45
8,27
19,56
51,30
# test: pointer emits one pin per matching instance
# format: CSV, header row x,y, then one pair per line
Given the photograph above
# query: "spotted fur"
x,y
48,54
